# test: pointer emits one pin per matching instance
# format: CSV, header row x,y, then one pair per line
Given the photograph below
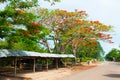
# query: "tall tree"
x,y
72,28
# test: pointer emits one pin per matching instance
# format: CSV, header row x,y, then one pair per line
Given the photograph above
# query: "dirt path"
x,y
106,71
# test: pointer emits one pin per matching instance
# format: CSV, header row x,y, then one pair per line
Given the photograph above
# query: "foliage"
x,y
85,59
19,28
113,55
3,45
71,30
84,52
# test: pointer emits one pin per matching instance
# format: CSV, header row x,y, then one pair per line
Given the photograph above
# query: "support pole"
x,y
20,64
47,64
15,66
65,64
34,65
56,63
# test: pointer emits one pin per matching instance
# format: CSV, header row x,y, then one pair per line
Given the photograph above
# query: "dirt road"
x,y
105,71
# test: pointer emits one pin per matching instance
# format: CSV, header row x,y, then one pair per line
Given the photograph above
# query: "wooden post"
x,y
65,64
34,65
56,63
47,64
15,66
20,64
13,62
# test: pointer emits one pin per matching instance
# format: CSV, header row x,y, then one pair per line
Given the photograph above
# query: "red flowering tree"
x,y
73,28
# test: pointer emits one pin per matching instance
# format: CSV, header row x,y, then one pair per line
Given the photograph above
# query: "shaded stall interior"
x,y
14,62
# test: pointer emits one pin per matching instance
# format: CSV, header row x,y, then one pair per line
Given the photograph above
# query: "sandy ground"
x,y
55,74
48,75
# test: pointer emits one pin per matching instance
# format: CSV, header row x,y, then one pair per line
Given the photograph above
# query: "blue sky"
x,y
106,11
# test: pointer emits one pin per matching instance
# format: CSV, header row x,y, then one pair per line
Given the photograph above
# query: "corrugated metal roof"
x,y
16,53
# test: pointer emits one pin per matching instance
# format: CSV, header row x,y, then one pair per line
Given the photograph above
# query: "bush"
x,y
85,59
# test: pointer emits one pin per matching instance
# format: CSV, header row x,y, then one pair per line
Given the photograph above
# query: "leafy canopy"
x,y
19,28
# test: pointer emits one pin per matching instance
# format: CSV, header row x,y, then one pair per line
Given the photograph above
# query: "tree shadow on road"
x,y
113,75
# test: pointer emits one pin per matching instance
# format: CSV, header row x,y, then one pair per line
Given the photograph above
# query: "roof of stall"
x,y
19,53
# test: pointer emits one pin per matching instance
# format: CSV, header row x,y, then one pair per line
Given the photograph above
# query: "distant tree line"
x,y
113,55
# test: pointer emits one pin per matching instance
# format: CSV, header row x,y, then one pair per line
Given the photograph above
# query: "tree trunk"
x,y
47,45
74,52
56,44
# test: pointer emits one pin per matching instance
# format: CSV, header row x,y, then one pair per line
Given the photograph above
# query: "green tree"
x,y
113,55
19,28
90,51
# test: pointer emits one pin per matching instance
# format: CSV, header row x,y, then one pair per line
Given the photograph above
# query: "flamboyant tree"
x,y
72,28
